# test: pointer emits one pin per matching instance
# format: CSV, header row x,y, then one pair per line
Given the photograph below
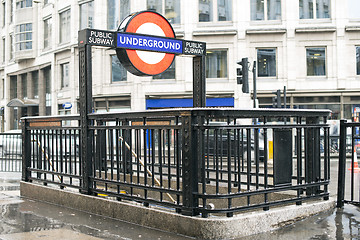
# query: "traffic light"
x,y
243,75
276,101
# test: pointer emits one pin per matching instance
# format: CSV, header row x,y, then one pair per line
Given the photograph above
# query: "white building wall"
x,y
241,37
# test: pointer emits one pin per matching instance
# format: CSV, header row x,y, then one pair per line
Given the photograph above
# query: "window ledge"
x,y
24,55
266,30
352,28
315,29
215,32
265,22
179,34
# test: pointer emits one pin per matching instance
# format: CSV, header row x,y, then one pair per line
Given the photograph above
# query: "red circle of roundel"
x,y
132,62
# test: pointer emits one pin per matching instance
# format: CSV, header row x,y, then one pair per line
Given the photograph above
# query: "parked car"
x,y
217,142
11,144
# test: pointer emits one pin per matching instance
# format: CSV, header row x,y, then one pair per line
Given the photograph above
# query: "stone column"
x,y
42,93
30,92
19,95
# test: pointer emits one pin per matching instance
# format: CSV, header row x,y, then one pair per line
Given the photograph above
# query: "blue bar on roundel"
x,y
149,43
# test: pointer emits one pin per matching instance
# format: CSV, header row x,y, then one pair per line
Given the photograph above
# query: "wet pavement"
x,y
27,219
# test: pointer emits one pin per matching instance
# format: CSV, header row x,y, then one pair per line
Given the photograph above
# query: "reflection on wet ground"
x,y
335,224
30,216
26,219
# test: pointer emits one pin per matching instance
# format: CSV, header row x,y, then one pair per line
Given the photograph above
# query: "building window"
x,y
117,11
169,8
11,11
266,61
65,26
13,87
4,13
3,50
118,72
11,55
24,86
23,3
307,8
357,60
65,78
87,15
265,10
315,61
216,64
47,32
220,8
353,8
23,37
168,74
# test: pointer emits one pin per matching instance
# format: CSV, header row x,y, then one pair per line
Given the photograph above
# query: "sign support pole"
x,y
199,91
85,94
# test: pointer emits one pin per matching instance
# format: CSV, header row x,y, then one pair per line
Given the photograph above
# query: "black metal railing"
x,y
349,172
10,151
194,161
51,151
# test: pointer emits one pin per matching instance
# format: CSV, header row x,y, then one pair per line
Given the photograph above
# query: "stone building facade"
x,y
311,47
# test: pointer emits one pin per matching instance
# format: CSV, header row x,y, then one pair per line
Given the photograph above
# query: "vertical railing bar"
x,y
178,156
221,153
111,152
265,163
256,156
326,147
153,132
229,214
169,158
299,156
160,162
248,164
70,154
136,133
208,152
145,133
352,162
118,149
216,154
240,151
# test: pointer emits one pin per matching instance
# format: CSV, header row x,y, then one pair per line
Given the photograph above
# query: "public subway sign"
x,y
145,43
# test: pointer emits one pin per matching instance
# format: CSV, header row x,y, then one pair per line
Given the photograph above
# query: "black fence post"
x,y
26,149
342,164
190,167
312,155
85,89
199,85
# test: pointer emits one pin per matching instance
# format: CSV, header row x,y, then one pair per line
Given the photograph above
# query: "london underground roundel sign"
x,y
153,33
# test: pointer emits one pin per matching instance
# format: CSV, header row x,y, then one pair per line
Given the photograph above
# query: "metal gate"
x,y
11,151
349,171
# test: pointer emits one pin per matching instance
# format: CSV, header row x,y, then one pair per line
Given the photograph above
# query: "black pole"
x,y
342,164
199,86
85,95
254,83
285,97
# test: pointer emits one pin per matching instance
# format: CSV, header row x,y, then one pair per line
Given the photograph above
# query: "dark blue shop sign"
x,y
67,105
135,41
